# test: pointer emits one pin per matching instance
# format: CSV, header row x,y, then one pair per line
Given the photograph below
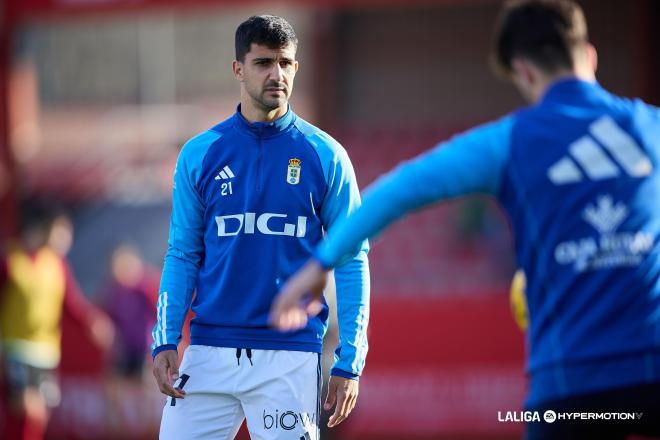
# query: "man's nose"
x,y
277,73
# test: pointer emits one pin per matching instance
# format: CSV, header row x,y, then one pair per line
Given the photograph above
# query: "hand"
x,y
102,331
166,371
288,311
342,392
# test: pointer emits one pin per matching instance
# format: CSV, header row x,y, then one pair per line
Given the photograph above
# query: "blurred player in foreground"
x,y
252,197
577,173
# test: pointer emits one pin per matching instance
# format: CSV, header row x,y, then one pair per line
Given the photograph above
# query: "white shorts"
x,y
277,391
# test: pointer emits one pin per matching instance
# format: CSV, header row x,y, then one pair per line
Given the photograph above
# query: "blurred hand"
x,y
102,331
166,371
342,393
289,312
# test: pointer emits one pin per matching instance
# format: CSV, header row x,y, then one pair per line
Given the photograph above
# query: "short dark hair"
x,y
546,32
37,212
267,30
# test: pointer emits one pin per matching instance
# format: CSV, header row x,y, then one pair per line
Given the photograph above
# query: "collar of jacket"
x,y
569,90
265,129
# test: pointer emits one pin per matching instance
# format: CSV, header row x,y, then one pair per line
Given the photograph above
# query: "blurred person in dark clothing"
x,y
130,299
36,286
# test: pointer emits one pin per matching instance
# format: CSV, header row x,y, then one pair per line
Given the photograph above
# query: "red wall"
x,y
440,366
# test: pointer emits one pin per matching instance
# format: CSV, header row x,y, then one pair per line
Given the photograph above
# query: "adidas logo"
x,y
605,216
225,174
594,162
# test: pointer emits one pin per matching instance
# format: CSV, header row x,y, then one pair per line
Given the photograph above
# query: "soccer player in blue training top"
x,y
577,173
252,197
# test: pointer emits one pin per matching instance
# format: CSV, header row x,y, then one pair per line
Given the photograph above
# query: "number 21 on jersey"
x,y
226,189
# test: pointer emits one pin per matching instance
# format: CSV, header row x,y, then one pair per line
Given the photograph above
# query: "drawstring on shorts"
x,y
248,351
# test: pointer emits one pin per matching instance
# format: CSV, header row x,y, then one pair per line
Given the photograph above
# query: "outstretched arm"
x,y
472,162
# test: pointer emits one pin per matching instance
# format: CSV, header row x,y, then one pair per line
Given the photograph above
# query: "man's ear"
x,y
592,56
523,71
237,67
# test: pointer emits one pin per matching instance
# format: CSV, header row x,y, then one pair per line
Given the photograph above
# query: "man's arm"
x,y
469,163
352,284
472,162
99,326
352,271
184,255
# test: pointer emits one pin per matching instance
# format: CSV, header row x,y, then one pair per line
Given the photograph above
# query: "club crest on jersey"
x,y
293,173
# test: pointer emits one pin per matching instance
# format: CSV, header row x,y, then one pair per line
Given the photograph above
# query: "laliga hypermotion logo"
x,y
293,172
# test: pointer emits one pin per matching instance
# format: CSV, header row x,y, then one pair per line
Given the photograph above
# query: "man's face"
x,y
267,75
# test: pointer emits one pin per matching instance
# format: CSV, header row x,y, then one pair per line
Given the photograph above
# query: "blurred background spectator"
x,y
129,298
96,98
36,286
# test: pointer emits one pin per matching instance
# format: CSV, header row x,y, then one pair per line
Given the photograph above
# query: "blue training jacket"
x,y
250,203
578,175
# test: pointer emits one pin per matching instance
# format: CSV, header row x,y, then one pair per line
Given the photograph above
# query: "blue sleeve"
x,y
185,248
352,271
472,162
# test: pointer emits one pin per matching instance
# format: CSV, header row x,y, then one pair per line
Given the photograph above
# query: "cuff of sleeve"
x,y
344,374
323,263
157,350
